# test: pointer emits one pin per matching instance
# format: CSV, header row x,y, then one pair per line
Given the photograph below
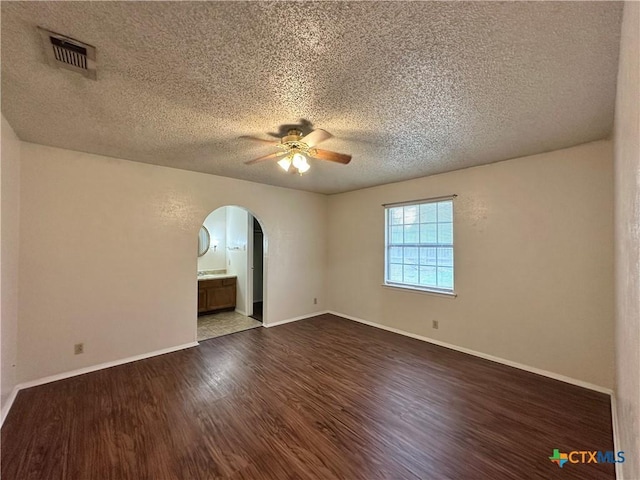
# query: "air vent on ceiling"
x,y
70,54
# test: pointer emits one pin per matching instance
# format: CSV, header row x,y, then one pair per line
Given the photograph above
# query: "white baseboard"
x,y
7,406
295,319
556,376
101,366
81,371
504,361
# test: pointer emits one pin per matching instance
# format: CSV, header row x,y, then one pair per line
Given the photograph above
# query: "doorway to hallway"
x,y
257,270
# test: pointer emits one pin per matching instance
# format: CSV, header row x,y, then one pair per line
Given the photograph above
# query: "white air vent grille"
x,y
70,54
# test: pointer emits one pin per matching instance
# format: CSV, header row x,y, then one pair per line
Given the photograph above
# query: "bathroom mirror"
x,y
203,241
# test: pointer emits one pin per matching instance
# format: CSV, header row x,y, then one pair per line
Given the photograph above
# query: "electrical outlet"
x,y
78,348
315,301
435,324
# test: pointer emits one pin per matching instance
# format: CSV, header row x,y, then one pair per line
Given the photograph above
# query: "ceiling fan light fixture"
x,y
285,163
300,163
303,168
298,160
296,148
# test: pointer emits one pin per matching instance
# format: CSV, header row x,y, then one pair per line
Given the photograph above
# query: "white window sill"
x,y
426,291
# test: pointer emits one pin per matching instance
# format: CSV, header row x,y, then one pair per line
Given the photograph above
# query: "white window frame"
x,y
413,286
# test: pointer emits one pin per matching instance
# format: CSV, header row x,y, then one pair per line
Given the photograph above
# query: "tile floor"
x,y
223,323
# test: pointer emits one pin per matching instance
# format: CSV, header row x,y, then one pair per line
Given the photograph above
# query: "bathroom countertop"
x,y
215,276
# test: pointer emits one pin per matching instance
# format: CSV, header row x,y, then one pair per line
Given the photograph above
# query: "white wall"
x,y
215,259
627,241
108,255
533,259
237,239
9,248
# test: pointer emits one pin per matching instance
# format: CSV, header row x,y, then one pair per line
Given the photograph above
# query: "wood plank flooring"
x,y
323,398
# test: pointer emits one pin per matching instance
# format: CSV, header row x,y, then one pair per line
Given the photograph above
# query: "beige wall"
x,y
533,260
9,248
108,255
627,241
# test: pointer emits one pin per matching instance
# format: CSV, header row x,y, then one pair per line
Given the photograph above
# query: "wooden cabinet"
x,y
216,294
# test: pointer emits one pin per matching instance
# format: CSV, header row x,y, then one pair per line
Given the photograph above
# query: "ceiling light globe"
x,y
285,163
299,160
304,167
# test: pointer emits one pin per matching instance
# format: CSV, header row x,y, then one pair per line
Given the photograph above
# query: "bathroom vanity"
x,y
216,292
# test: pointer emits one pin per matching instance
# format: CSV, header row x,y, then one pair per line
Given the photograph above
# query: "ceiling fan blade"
x,y
256,139
314,138
331,156
271,156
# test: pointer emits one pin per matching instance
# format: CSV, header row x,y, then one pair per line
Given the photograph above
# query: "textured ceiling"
x,y
409,89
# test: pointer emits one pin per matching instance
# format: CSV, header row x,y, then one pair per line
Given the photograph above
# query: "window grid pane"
x,y
420,245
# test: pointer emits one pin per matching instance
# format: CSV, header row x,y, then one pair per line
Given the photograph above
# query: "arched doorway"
x,y
231,273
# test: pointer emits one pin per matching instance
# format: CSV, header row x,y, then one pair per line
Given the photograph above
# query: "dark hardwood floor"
x,y
323,398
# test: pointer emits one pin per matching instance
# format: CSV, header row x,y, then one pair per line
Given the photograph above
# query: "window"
x,y
419,245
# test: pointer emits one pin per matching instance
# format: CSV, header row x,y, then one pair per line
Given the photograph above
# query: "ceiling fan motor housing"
x,y
293,135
